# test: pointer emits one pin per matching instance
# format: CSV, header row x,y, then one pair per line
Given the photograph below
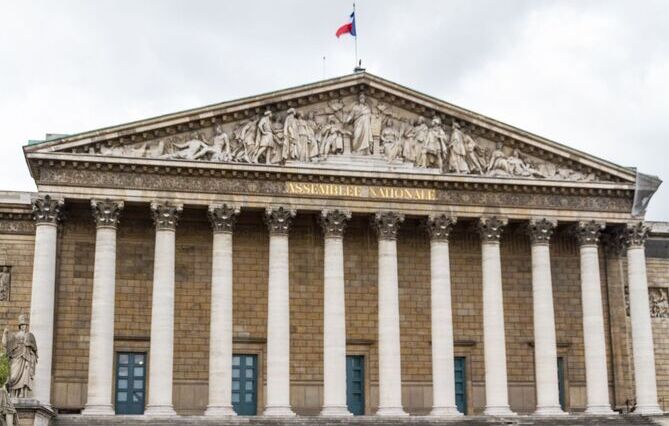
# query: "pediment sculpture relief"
x,y
355,126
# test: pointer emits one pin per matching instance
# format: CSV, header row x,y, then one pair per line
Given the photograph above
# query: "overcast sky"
x,y
589,74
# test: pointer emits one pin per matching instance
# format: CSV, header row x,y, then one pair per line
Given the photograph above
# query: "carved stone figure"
x,y
220,147
189,149
21,349
498,165
457,153
435,147
407,136
420,134
265,141
290,135
307,146
245,137
659,302
519,167
332,137
361,117
390,140
475,155
5,278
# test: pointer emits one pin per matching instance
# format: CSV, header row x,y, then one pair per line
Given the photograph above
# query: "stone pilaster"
x,y
278,221
47,213
161,356
545,347
101,348
439,227
596,376
333,223
390,372
634,237
494,341
222,218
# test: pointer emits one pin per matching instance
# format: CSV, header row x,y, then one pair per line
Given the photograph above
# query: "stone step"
x,y
77,420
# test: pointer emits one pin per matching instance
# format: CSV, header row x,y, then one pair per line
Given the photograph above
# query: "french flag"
x,y
348,28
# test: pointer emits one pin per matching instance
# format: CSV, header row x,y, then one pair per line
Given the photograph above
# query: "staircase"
x,y
77,420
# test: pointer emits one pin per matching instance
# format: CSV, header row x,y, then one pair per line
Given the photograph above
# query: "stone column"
x,y
101,344
222,219
494,342
545,348
390,371
47,213
165,217
334,314
642,331
443,379
596,375
278,314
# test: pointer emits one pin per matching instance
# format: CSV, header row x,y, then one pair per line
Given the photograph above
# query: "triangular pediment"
x,y
358,122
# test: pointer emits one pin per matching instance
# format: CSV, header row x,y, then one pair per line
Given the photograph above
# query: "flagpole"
x,y
356,38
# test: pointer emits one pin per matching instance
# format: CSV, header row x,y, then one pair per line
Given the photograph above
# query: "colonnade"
x,y
386,224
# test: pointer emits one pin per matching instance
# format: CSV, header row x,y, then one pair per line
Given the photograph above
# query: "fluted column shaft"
x,y
443,378
494,342
46,212
642,330
390,371
545,348
161,354
220,332
278,314
596,375
101,346
334,315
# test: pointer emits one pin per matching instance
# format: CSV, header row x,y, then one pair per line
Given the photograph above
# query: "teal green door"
x,y
560,367
245,384
460,384
130,382
355,384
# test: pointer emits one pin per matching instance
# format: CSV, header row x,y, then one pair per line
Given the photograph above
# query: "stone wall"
x,y
193,261
658,276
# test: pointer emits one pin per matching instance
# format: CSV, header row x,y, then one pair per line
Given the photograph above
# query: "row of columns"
x,y
386,224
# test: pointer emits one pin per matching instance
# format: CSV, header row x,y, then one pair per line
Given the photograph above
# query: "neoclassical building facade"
x,y
345,247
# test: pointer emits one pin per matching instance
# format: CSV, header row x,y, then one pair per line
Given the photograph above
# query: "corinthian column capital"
x,y
635,234
588,232
166,215
47,210
490,228
106,212
387,224
439,226
541,230
279,219
334,222
223,217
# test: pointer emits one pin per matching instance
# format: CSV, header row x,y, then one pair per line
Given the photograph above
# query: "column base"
x,y
160,411
279,411
600,410
391,412
98,410
335,411
445,412
500,411
648,410
219,411
553,410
